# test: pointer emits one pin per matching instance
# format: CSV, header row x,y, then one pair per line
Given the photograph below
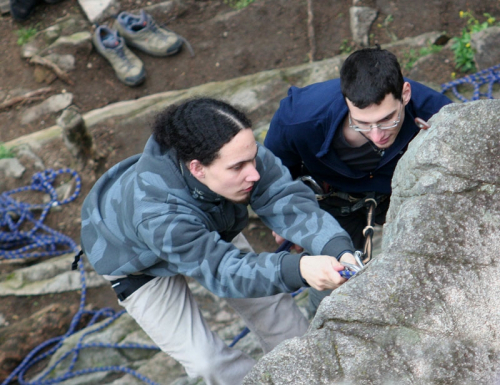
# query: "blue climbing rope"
x,y
39,353
487,76
40,240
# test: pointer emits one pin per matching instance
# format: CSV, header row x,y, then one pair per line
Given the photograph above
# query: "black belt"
x,y
124,287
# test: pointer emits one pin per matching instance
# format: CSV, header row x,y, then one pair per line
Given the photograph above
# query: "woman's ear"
x,y
196,169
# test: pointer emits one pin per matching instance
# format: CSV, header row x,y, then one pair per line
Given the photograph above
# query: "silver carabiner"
x,y
358,255
311,183
351,267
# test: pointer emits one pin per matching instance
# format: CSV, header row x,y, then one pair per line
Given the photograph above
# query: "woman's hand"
x,y
279,240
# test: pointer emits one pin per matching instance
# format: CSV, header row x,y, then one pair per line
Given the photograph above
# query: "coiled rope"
x,y
487,76
41,241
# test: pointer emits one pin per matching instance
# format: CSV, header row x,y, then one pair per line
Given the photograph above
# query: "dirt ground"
x,y
265,35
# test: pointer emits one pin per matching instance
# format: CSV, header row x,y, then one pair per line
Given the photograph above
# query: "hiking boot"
x,y
142,33
21,9
128,68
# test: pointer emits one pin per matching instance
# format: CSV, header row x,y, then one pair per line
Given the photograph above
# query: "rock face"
x,y
427,310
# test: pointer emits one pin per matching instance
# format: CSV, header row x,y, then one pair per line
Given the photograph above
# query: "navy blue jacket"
x,y
303,128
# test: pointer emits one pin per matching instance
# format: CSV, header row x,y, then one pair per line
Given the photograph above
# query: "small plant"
x,y
412,56
386,26
24,35
5,152
461,47
238,4
345,47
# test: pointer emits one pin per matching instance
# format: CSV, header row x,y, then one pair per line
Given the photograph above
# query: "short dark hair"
x,y
369,75
198,128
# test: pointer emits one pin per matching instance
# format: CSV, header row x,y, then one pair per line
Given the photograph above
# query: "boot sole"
x,y
170,52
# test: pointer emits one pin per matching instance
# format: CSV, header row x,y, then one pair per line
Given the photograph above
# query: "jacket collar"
x,y
197,189
327,156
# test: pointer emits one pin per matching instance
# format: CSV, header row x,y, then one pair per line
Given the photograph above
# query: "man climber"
x,y
178,210
348,135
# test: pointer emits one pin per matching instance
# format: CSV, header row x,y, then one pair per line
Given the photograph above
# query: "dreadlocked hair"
x,y
198,128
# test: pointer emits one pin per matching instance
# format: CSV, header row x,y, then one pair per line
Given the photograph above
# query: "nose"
x,y
376,134
253,175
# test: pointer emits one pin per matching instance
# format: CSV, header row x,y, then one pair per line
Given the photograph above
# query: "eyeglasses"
x,y
383,126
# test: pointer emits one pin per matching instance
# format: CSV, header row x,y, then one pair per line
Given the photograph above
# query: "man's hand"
x,y
321,271
279,240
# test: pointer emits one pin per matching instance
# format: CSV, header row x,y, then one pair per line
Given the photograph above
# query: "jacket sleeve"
x,y
290,209
182,240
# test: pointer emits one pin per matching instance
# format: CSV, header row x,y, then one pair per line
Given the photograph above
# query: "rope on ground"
x,y
487,76
108,315
41,241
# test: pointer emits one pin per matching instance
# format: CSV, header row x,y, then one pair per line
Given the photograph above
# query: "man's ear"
x,y
406,93
197,169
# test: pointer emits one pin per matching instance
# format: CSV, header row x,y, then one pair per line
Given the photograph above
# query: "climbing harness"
x,y
487,76
370,202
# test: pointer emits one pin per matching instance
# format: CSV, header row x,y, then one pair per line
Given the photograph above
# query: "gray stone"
x,y
64,62
75,134
123,326
26,156
167,7
51,276
40,41
427,310
486,46
98,10
70,44
11,168
73,32
160,366
51,105
4,6
361,19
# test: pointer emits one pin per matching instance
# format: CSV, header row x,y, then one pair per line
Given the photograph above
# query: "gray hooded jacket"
x,y
149,214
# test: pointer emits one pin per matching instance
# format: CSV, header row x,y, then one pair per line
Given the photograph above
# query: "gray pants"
x,y
166,310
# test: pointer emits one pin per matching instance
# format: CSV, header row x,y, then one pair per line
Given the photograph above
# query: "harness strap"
x,y
370,202
124,287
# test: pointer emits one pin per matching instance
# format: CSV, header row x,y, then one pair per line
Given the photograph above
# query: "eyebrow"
x,y
245,160
386,117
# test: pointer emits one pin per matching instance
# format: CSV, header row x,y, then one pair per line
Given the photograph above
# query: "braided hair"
x,y
198,128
